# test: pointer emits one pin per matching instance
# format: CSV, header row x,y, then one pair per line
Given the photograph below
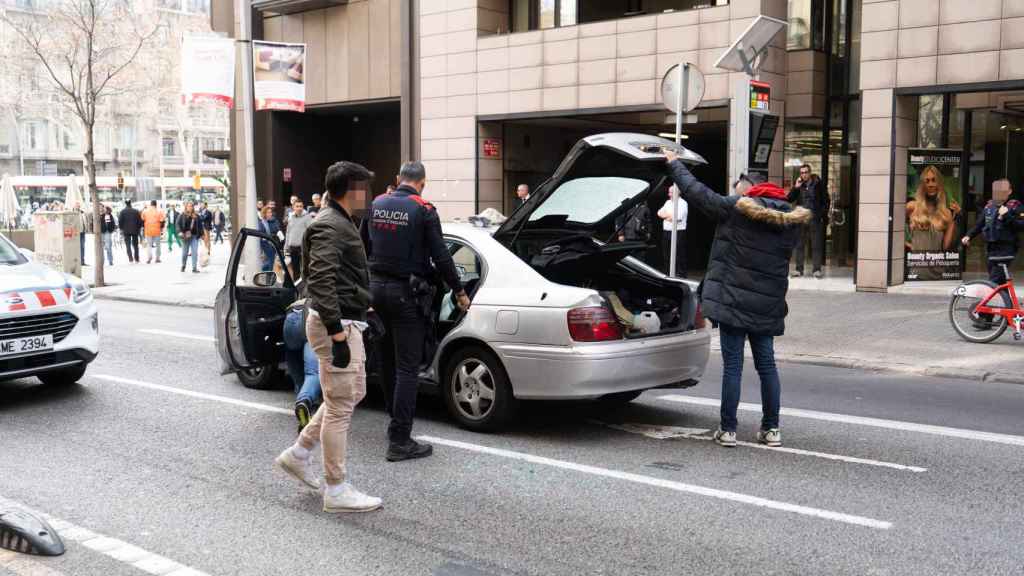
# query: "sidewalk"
x,y
162,283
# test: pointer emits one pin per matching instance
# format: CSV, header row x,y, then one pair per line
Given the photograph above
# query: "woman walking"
x,y
190,227
108,226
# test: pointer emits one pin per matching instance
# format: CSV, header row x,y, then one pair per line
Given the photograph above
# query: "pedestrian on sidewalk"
x,y
206,217
172,228
665,213
191,229
302,363
153,220
85,225
403,240
268,225
744,291
810,193
219,221
999,222
316,204
337,284
108,227
130,223
299,223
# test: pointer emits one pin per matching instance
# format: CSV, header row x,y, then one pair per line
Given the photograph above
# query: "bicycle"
x,y
975,313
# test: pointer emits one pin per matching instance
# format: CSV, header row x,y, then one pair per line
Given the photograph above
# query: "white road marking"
x,y
663,483
670,432
173,334
118,550
193,394
863,421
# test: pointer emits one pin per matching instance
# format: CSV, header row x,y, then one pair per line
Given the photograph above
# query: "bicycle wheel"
x,y
970,325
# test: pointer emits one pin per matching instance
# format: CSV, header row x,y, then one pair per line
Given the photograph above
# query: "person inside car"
x,y
744,290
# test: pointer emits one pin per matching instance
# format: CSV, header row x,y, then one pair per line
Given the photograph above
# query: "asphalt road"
x,y
156,463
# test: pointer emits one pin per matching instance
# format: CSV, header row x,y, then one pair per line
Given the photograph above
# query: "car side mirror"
x,y
265,279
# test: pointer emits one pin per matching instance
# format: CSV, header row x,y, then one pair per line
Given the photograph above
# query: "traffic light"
x,y
196,181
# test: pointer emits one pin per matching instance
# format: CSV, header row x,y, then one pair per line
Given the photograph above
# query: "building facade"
x,y
491,94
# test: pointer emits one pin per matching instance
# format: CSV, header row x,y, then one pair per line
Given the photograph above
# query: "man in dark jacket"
x,y
338,297
403,239
130,223
810,193
1000,221
744,290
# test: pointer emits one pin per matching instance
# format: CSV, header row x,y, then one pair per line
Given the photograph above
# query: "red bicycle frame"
x,y
1014,315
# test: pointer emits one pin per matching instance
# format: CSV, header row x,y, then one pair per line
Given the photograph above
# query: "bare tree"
x,y
86,48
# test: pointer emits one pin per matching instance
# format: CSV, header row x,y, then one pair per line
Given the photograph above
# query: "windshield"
x,y
588,200
9,253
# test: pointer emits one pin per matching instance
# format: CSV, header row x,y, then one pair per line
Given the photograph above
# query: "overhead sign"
x,y
279,80
208,70
694,88
760,96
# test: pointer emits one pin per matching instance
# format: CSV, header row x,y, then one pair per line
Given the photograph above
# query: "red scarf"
x,y
767,190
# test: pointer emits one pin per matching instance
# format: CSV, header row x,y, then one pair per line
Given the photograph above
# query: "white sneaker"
x,y
771,437
723,438
348,499
301,470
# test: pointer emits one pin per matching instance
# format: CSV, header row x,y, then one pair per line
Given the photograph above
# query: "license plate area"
x,y
26,345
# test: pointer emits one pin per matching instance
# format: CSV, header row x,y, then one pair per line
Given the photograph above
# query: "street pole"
x,y
681,103
251,254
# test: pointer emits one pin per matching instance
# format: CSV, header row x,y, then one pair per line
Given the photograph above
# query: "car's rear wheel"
x,y
64,376
259,378
476,389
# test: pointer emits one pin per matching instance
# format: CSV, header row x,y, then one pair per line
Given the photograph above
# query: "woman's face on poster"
x,y
931,183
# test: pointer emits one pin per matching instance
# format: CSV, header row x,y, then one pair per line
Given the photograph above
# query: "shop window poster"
x,y
933,215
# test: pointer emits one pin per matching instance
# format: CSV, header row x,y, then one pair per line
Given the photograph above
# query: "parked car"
x,y
49,327
555,303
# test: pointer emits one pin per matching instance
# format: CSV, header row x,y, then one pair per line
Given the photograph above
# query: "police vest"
x,y
398,248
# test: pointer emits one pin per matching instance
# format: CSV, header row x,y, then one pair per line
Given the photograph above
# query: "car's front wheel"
x,y
477,391
64,376
258,378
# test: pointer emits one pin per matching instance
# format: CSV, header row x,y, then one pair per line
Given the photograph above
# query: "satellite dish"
x,y
745,53
694,89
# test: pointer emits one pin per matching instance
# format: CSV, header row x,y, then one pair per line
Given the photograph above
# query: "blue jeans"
x,y
108,247
303,366
733,341
190,246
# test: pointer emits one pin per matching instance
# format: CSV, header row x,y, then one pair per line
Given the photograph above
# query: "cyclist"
x,y
999,223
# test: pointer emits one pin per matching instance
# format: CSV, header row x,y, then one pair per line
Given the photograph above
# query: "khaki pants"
x,y
343,388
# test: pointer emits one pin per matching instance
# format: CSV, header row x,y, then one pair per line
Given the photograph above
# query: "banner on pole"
x,y
208,70
279,81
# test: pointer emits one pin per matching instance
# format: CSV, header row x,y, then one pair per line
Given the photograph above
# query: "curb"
x,y
143,300
977,375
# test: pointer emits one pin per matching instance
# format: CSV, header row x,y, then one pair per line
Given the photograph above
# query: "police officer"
x,y
999,222
402,235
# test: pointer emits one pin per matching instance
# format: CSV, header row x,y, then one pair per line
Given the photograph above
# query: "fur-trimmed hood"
x,y
758,212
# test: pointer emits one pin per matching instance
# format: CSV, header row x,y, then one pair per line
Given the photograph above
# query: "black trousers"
x,y
401,353
131,243
995,272
815,232
666,252
295,253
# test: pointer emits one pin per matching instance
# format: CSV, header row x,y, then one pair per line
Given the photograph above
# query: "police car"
x,y
48,320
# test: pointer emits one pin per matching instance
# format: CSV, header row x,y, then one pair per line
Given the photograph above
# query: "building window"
x,y
168,147
806,25
930,121
543,14
33,135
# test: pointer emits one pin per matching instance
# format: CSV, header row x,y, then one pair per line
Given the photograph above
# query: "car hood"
x,y
621,160
30,275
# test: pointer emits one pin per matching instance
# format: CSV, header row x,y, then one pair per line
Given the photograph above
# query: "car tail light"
x,y
698,319
593,324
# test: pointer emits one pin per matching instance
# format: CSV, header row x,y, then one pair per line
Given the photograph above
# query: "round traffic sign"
x,y
694,88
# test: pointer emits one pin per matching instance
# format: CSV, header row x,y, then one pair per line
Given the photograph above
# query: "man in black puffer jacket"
x,y
744,290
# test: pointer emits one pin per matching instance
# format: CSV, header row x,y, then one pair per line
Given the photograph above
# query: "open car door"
x,y
251,307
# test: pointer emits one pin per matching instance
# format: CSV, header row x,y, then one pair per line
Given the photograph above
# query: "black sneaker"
x,y
303,412
408,451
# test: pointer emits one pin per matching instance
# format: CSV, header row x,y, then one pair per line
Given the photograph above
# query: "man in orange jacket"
x,y
153,220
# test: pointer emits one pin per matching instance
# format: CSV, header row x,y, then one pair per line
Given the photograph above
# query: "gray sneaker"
x,y
771,437
723,438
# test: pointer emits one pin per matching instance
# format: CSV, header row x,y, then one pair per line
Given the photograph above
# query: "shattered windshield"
x,y
588,200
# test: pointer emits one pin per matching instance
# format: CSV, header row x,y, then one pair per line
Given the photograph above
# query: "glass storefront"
x,y
543,14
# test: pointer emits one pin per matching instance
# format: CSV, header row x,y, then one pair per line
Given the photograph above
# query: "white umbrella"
x,y
8,202
73,196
